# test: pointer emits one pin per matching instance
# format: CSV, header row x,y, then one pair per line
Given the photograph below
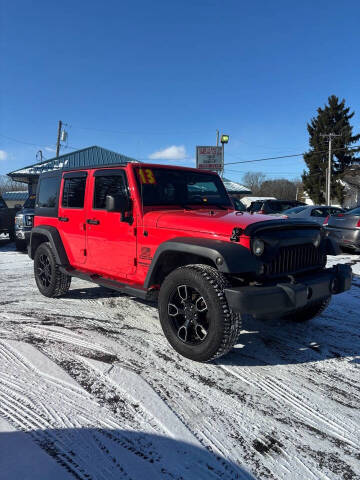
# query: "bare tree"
x,y
281,188
254,180
7,184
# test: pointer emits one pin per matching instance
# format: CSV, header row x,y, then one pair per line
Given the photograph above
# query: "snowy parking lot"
x,y
90,389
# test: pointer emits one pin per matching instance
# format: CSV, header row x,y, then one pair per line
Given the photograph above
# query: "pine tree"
x,y
333,118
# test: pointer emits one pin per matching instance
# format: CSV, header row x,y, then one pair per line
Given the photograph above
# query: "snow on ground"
x,y
90,389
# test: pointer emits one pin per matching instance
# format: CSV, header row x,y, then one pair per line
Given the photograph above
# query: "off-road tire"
x,y
59,282
20,245
307,313
224,325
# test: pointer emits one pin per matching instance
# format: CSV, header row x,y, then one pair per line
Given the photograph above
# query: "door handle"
x,y
92,222
63,219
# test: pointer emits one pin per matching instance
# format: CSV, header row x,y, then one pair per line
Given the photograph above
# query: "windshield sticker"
x,y
147,176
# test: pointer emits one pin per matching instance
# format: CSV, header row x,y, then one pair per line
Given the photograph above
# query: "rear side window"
x,y
320,212
107,185
73,192
48,191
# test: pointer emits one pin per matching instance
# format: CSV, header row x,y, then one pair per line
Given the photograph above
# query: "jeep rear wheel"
x,y
194,313
50,281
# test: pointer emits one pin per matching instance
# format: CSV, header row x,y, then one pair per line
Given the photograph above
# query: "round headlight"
x,y
258,247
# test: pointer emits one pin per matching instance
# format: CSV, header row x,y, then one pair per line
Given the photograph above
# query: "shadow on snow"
x,y
95,453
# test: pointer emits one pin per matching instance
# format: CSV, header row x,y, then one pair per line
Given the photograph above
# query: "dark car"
x,y
345,229
6,219
23,223
269,207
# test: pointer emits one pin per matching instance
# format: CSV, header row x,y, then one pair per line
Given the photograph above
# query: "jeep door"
x,y
111,242
71,216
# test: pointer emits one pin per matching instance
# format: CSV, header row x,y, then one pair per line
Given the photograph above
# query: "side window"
x,y
107,185
48,190
73,192
319,212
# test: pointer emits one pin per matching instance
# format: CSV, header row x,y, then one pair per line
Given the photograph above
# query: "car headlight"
x,y
258,247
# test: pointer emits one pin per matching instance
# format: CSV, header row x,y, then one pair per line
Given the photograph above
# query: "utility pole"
x,y
217,138
329,136
40,154
58,138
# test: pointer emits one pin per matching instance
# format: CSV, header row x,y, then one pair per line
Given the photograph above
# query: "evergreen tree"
x,y
333,118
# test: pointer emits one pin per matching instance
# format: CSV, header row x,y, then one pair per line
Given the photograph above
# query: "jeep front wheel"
x,y
50,281
194,313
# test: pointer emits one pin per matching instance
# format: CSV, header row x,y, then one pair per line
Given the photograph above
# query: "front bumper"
x,y
284,298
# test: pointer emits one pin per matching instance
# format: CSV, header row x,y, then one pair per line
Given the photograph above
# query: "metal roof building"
x,y
87,157
235,188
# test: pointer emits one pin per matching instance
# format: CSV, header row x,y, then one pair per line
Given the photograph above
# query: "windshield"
x,y
162,186
2,203
294,210
30,202
280,206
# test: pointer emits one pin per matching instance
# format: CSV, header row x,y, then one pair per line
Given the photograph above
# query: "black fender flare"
x,y
52,236
226,256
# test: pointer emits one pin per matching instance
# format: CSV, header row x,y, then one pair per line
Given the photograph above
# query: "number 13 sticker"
x,y
146,176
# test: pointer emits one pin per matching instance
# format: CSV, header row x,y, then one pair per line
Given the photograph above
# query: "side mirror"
x,y
118,203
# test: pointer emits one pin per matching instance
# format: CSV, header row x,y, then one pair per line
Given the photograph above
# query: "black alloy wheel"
x,y
50,280
188,312
194,313
44,270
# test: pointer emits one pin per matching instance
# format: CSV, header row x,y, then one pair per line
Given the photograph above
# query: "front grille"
x,y
295,259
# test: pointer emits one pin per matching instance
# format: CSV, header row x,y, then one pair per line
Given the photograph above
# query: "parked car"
x,y
345,229
270,207
171,234
23,223
316,213
7,216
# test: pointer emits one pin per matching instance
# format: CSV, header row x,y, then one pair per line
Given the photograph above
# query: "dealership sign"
x,y
209,158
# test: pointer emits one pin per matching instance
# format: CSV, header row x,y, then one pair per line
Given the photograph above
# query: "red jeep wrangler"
x,y
171,233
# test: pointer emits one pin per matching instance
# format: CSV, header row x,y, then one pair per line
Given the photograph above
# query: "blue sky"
x,y
139,77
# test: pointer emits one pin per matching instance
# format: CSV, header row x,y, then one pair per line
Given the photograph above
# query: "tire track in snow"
x,y
25,411
309,413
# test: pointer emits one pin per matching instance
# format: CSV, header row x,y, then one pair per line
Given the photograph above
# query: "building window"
x,y
74,192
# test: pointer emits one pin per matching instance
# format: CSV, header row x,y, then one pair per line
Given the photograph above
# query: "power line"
x,y
27,143
356,148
